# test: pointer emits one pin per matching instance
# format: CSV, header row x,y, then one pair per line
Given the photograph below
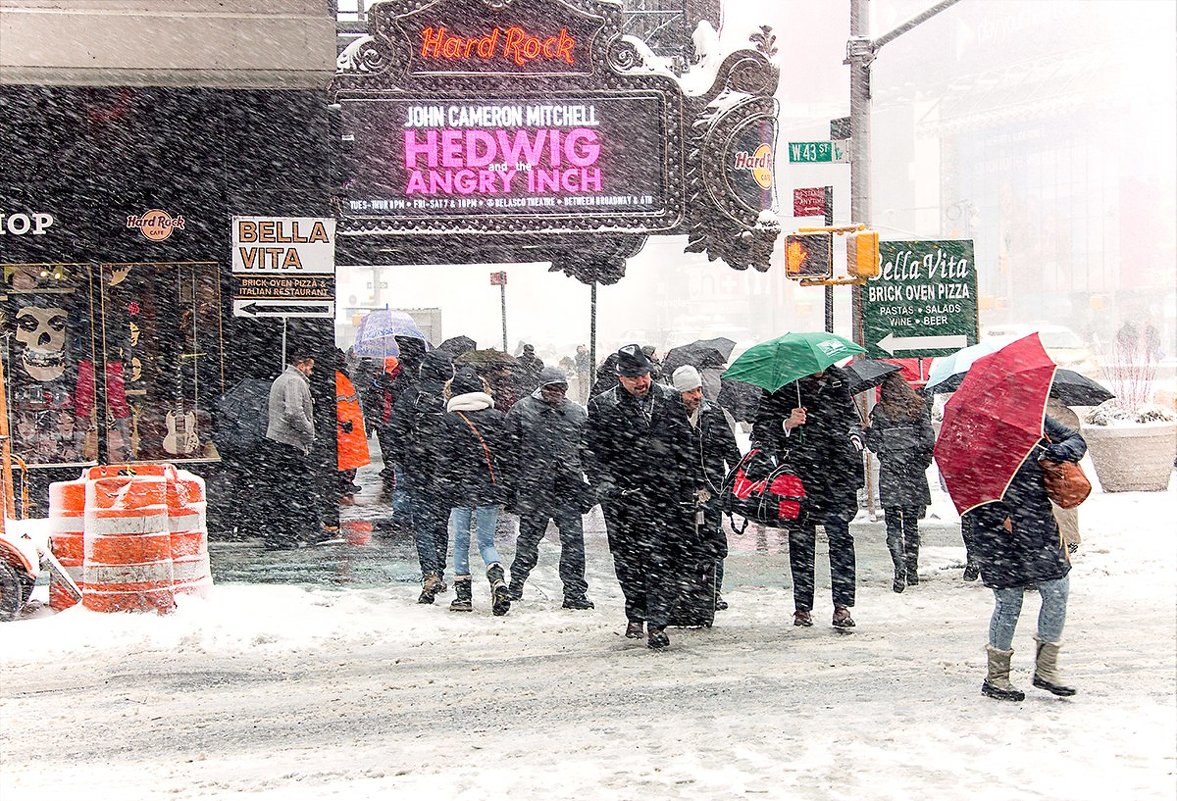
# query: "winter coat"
x,y
1030,550
821,451
471,451
714,452
543,455
415,429
904,448
291,411
351,435
624,451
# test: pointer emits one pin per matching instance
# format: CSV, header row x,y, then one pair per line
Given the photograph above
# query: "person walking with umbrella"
x,y
900,434
809,422
994,435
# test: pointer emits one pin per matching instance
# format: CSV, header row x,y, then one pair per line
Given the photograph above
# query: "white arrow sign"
x,y
892,343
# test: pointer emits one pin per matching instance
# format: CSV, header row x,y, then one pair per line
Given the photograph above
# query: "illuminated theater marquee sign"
x,y
537,130
418,160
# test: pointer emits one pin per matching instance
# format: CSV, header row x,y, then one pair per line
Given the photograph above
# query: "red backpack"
x,y
762,491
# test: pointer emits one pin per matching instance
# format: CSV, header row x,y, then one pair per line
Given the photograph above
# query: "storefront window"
x,y
162,338
45,324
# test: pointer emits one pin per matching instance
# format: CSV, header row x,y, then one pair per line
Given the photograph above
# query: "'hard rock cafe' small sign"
x,y
156,224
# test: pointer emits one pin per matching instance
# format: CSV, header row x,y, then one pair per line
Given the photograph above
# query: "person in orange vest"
x,y
351,435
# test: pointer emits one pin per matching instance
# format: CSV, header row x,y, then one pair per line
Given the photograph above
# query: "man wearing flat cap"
x,y
543,432
714,453
636,456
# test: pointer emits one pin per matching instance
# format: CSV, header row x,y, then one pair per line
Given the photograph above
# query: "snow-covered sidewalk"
x,y
287,692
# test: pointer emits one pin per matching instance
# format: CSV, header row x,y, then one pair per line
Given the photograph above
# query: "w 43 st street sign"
x,y
833,152
924,301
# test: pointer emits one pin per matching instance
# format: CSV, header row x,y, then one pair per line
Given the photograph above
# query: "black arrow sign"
x,y
255,309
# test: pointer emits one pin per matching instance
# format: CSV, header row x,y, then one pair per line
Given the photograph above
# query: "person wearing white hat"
x,y
714,453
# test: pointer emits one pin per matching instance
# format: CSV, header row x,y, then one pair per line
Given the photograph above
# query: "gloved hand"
x,y
1056,453
346,425
856,441
606,491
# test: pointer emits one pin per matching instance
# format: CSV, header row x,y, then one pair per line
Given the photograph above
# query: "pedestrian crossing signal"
x,y
862,254
809,255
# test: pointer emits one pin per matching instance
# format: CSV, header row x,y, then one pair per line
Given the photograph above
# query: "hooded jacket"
x,y
543,454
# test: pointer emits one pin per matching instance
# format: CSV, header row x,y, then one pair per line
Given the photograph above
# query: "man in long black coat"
x,y
813,425
714,453
636,457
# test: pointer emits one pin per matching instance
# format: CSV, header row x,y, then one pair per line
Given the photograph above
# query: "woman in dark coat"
x,y
1018,546
471,480
812,426
900,434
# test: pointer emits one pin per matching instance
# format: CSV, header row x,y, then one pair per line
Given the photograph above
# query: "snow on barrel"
x,y
67,505
188,523
127,562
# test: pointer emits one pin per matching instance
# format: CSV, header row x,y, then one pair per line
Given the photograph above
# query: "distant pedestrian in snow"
x,y
543,434
528,370
291,426
416,428
472,481
900,434
583,373
1018,546
636,457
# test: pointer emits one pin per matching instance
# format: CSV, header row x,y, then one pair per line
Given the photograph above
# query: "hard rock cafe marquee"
x,y
533,130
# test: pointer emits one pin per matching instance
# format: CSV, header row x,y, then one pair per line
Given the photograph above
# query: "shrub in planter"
x,y
1131,449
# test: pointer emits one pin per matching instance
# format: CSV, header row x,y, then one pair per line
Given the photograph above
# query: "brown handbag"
x,y
1066,484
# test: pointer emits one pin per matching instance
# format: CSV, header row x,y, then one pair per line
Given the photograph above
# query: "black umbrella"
x,y
1069,388
242,415
456,346
740,398
864,374
700,354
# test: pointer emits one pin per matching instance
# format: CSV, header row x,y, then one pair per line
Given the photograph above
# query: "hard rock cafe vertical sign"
x,y
477,129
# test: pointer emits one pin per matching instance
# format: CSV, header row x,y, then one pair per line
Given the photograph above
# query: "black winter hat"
x,y
466,381
631,362
437,365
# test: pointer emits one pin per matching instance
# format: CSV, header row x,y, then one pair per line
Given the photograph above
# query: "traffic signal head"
x,y
862,254
809,255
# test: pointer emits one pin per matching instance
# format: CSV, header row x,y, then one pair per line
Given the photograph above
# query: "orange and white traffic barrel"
x,y
188,523
127,563
67,506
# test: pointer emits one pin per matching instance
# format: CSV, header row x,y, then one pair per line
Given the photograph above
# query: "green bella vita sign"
x,y
923,302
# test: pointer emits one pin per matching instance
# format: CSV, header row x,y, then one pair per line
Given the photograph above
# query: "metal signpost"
x,y
499,279
923,303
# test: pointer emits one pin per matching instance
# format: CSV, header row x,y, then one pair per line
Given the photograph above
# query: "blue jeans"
x,y
484,521
1051,617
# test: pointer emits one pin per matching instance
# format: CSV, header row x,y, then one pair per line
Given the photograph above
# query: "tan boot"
x,y
1046,669
431,585
996,684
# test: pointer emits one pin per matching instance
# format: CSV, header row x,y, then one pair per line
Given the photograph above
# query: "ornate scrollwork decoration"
x,y
623,54
765,41
364,56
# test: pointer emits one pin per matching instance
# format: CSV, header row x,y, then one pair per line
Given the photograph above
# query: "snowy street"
x,y
323,692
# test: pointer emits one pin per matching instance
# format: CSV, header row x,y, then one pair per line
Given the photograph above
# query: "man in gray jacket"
x,y
543,438
291,427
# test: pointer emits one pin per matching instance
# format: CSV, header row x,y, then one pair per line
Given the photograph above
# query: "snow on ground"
x,y
313,692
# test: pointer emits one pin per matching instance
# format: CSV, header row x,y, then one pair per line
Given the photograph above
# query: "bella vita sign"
x,y
284,245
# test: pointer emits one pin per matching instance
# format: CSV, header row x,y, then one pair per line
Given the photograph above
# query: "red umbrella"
x,y
993,422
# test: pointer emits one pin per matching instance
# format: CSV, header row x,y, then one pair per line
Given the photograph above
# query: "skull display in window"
x,y
41,331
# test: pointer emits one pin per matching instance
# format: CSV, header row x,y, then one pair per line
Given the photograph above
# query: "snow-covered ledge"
x,y
207,43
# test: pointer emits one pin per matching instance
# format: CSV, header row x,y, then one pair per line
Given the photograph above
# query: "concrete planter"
x,y
1132,456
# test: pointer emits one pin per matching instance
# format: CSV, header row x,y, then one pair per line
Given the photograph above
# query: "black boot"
x,y
899,583
498,590
657,639
911,548
464,600
430,586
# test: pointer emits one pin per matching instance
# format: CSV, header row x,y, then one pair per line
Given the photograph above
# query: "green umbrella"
x,y
770,365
